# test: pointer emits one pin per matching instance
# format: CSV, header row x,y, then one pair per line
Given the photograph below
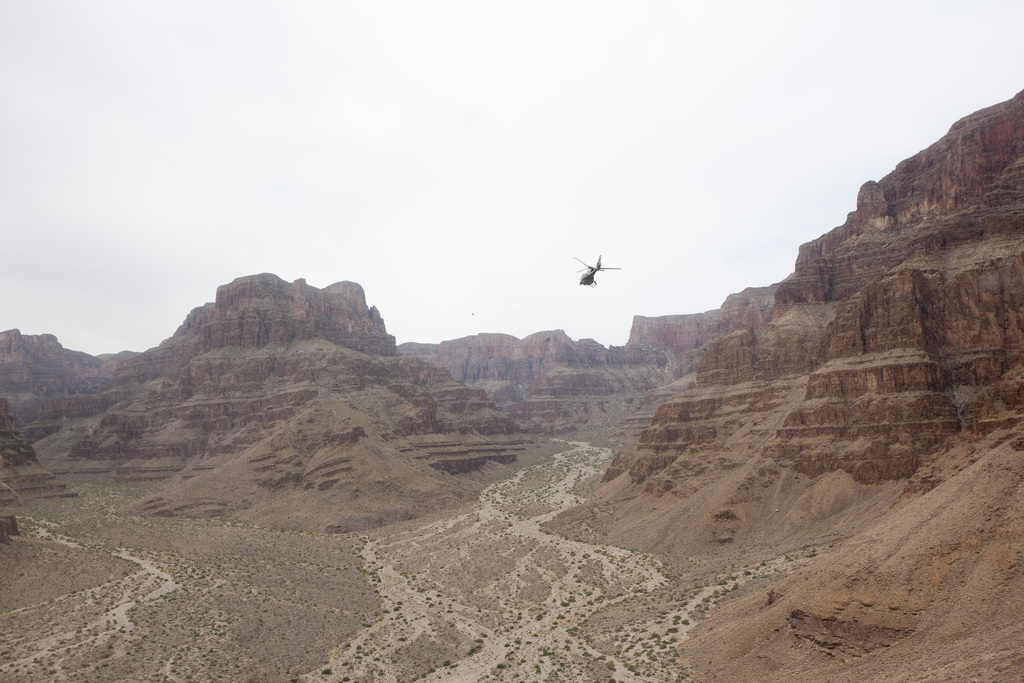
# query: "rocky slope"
x,y
286,404
880,400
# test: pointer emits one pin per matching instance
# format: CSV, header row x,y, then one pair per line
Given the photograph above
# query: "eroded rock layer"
x,y
46,383
890,323
547,382
288,404
551,384
878,413
21,476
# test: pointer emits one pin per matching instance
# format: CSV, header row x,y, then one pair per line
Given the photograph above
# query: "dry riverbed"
x,y
92,594
491,596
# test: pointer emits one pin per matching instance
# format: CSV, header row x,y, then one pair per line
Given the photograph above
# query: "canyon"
x,y
822,479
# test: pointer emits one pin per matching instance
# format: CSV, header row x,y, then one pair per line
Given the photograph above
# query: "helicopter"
x,y
588,276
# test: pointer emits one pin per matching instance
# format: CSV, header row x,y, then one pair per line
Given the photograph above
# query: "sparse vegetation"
x,y
217,600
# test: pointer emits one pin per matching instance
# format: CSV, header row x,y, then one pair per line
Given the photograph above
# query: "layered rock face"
x,y
283,392
877,344
551,384
880,410
264,309
547,382
21,476
929,583
45,383
14,450
686,337
257,310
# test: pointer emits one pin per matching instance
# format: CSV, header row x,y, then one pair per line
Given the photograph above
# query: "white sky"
x,y
453,157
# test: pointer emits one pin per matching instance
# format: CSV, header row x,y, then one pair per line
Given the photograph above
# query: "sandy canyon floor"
x,y
92,594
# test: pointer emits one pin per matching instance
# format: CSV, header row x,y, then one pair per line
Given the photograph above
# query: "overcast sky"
x,y
454,157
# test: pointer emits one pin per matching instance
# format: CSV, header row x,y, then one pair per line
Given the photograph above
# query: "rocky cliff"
x,y
686,337
878,341
549,383
264,309
21,476
287,404
880,402
46,383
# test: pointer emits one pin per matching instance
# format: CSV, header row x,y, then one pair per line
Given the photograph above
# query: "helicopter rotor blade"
x,y
584,262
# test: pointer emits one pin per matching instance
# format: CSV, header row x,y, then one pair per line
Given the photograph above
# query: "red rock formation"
x,y
264,309
257,310
45,382
887,328
546,381
688,336
551,384
286,392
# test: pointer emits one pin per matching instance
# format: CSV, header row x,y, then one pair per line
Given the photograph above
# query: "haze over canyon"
x,y
823,479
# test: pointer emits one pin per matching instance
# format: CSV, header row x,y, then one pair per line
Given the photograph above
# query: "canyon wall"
x,y
876,414
284,392
878,342
21,476
46,383
549,383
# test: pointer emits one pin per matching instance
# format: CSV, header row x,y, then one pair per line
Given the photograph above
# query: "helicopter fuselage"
x,y
588,277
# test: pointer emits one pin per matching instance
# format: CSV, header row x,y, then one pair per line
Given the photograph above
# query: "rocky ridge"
x,y
288,404
552,384
889,326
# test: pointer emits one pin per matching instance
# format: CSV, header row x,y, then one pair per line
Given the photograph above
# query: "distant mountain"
x,y
288,405
46,383
547,382
551,384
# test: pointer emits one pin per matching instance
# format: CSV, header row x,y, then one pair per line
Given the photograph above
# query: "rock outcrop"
x,y
549,383
21,476
8,528
686,337
264,309
284,392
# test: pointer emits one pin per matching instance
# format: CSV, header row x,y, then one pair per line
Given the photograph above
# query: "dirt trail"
x,y
489,595
99,612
